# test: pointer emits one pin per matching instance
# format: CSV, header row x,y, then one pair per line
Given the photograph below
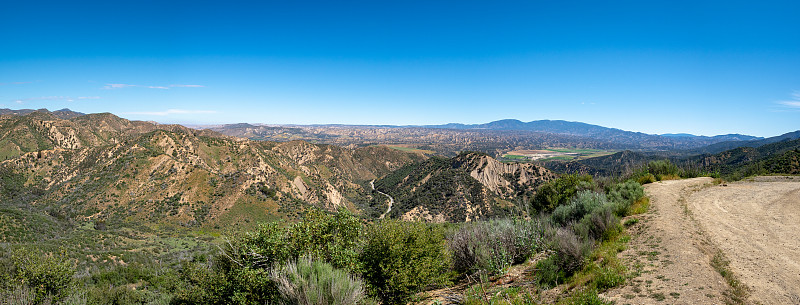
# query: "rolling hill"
x,y
728,145
774,158
125,173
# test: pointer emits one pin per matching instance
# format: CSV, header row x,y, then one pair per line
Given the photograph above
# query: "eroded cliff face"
x,y
505,179
468,187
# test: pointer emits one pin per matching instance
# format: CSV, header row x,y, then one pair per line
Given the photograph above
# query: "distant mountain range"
x,y
64,114
597,132
726,145
493,138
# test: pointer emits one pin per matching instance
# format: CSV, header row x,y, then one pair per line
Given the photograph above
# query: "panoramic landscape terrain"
x,y
399,152
110,210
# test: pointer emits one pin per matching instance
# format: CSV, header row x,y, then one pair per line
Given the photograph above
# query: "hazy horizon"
x,y
200,125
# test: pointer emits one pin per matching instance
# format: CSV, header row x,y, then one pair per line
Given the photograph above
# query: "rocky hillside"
x,y
617,164
44,130
773,158
467,187
102,167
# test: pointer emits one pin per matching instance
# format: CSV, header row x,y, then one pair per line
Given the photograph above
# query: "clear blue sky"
x,y
701,67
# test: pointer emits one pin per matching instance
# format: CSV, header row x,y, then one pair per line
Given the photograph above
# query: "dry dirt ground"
x,y
755,224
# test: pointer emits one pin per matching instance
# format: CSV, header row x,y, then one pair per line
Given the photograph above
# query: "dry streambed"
x,y
755,225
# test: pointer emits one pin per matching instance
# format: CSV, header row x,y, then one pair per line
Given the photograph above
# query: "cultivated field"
x,y
552,154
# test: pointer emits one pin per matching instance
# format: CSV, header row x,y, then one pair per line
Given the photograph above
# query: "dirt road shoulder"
x,y
669,254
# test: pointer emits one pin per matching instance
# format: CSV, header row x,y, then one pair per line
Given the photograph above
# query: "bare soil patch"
x,y
756,224
668,253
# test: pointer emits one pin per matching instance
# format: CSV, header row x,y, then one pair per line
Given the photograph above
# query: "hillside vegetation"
x,y
96,209
467,187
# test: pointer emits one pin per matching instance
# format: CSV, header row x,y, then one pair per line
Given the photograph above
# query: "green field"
x,y
559,158
554,154
409,149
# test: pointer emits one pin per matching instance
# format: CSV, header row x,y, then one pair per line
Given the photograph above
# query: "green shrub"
x,y
240,274
549,273
587,297
599,224
559,191
109,286
307,282
569,255
332,238
570,250
215,285
491,246
123,295
582,204
402,258
663,168
268,245
646,178
49,276
609,277
625,194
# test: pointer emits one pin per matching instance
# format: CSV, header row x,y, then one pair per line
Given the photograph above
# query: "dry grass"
x,y
639,206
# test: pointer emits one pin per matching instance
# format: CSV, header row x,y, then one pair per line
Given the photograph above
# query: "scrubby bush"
x,y
492,246
570,253
240,273
570,249
402,258
663,168
624,194
598,224
123,295
582,204
46,277
657,171
219,284
587,297
549,273
308,282
558,191
332,238
645,178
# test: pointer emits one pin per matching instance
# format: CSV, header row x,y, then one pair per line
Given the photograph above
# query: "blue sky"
x,y
701,67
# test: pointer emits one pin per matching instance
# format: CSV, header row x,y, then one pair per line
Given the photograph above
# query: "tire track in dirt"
x,y
756,224
669,253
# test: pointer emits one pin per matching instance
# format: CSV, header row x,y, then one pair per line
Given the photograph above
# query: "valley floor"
x,y
680,249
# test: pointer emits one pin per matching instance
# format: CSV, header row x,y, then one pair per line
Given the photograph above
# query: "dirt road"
x,y
669,253
755,225
391,200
